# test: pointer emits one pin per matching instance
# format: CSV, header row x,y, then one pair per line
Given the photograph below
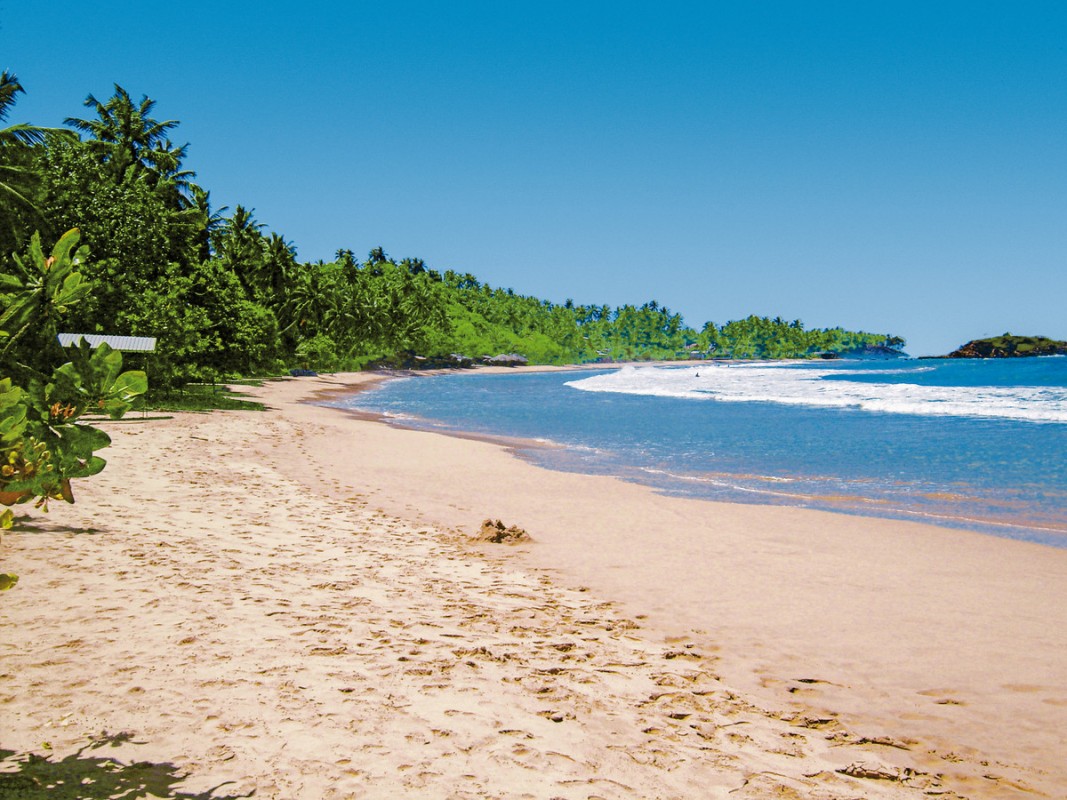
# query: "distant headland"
x,y
1009,346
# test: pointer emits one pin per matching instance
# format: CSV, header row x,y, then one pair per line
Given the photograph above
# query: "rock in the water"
x,y
1008,346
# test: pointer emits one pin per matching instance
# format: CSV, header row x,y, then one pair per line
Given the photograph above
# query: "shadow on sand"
x,y
27,523
26,776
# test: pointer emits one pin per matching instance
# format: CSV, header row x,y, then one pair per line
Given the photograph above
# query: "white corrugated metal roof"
x,y
130,344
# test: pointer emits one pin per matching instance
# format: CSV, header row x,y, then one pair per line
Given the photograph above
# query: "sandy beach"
x,y
292,604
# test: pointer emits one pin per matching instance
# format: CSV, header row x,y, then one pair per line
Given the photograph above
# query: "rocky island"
x,y
1009,346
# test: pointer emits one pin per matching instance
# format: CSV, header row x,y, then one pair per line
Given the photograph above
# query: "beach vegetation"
x,y
226,296
204,397
20,213
44,441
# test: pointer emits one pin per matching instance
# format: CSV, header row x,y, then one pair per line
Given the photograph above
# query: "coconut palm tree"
x,y
23,134
172,182
15,140
208,221
17,176
280,261
128,139
241,245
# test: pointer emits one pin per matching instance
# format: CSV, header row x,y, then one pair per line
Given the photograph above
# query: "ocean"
x,y
973,444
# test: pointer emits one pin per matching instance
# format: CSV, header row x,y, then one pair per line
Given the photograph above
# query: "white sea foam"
x,y
789,385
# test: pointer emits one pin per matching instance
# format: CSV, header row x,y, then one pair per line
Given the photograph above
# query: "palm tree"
x,y
302,302
126,137
240,244
208,222
17,177
347,259
416,266
172,182
23,134
240,236
280,263
15,140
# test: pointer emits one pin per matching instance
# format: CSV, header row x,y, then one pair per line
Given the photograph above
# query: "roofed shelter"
x,y
125,344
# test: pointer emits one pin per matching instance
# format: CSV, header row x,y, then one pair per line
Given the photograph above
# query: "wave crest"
x,y
788,385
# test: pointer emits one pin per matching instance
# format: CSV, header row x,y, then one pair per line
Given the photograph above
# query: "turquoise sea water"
x,y
971,444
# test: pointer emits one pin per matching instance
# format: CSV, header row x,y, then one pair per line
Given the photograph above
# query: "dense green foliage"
x,y
225,297
44,443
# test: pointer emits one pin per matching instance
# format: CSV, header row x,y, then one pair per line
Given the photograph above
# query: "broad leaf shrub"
x,y
44,441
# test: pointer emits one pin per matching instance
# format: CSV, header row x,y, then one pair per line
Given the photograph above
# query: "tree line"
x,y
225,296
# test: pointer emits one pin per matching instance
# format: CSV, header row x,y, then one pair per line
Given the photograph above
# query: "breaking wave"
x,y
790,384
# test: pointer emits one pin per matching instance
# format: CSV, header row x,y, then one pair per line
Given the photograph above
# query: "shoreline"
x,y
877,563
233,581
891,575
1034,531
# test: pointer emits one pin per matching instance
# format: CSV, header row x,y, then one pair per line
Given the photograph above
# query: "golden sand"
x,y
292,602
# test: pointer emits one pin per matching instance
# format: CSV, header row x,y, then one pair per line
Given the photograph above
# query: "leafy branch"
x,y
43,443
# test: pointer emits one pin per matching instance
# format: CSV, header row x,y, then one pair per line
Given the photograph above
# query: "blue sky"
x,y
892,166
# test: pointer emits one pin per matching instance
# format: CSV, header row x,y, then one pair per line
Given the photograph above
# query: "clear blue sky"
x,y
893,166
